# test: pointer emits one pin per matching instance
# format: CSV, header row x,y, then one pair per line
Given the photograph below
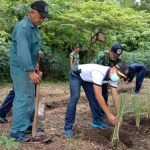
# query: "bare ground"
x,y
86,137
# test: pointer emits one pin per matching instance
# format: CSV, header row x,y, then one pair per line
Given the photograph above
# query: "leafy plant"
x,y
7,144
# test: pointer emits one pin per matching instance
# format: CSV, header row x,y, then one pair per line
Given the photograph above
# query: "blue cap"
x,y
117,50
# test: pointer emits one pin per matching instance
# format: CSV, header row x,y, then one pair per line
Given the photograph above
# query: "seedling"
x,y
115,135
148,105
137,109
8,143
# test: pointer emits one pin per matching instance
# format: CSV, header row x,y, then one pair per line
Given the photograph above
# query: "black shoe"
x,y
3,120
39,129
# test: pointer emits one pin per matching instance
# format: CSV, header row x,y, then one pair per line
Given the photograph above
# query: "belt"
x,y
77,72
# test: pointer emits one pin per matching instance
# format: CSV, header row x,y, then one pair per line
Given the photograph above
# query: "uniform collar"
x,y
30,23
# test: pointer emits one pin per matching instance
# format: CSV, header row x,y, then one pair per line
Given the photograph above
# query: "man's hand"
x,y
112,119
34,77
109,87
41,54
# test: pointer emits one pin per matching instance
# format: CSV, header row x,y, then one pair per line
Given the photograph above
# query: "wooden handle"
x,y
34,126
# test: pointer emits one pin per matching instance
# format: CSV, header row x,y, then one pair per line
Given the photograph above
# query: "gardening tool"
x,y
34,126
39,112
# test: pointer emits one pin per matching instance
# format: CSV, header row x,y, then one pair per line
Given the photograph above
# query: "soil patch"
x,y
86,137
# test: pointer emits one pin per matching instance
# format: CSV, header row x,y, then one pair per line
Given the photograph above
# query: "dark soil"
x,y
86,137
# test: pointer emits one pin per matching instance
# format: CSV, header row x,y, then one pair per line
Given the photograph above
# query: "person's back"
x,y
104,59
140,71
137,67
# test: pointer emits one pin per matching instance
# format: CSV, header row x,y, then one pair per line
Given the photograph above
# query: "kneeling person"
x,y
93,75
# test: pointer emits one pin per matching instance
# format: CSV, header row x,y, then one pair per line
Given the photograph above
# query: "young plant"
x,y
148,105
7,144
137,109
115,135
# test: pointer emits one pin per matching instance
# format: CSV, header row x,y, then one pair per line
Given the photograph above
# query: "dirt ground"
x,y
86,137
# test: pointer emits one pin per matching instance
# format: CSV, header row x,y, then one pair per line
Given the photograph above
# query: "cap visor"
x,y
116,55
44,15
121,74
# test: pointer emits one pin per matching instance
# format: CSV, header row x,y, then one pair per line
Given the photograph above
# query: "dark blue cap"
x,y
41,7
117,50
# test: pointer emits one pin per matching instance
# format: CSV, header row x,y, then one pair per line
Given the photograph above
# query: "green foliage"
x,y
54,65
4,62
77,22
7,144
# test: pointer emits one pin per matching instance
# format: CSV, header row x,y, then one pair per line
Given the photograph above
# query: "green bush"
x,y
54,65
4,63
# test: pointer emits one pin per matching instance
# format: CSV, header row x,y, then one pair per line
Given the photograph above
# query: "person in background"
x,y
74,57
140,71
95,75
6,106
108,58
24,49
7,103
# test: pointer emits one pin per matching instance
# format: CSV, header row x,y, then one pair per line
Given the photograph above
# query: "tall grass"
x,y
137,109
115,135
148,105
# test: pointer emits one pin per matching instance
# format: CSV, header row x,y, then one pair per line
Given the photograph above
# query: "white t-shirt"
x,y
96,74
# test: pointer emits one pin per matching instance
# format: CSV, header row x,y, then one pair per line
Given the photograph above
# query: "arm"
x,y
71,60
131,74
102,103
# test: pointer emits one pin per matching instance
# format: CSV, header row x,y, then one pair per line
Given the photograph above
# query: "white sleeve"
x,y
113,84
97,77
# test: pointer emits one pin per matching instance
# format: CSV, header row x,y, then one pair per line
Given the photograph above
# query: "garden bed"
x,y
86,137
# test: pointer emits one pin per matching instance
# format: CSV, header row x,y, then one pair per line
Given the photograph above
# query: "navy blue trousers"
x,y
140,71
7,104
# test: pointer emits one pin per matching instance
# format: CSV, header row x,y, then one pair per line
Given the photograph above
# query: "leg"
x,y
23,104
94,106
139,79
105,92
75,84
7,105
105,95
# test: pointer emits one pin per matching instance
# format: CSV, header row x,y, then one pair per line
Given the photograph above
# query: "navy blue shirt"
x,y
134,69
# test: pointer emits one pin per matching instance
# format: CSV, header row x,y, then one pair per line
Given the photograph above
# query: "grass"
x,y
137,109
115,135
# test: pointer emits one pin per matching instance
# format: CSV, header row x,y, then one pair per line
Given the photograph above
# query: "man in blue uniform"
x,y
97,75
7,103
140,71
24,52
